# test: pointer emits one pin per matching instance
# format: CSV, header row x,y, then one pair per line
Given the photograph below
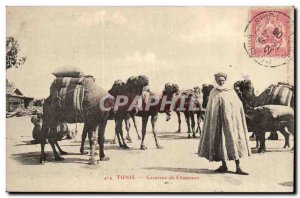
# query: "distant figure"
x,y
36,132
225,131
62,130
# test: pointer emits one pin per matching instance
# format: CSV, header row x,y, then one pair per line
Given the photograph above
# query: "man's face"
x,y
220,80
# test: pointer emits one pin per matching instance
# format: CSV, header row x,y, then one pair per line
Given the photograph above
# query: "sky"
x,y
183,45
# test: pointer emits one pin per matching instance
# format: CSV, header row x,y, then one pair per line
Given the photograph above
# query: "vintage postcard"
x,y
150,99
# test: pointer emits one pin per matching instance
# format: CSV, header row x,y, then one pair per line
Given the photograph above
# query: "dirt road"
x,y
176,167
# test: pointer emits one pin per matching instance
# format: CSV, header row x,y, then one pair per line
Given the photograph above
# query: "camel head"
x,y
188,93
245,91
170,89
119,88
197,90
136,84
206,89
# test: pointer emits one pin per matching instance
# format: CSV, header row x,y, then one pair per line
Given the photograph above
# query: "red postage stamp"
x,y
270,32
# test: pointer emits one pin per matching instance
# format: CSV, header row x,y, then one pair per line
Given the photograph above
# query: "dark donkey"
x,y
58,108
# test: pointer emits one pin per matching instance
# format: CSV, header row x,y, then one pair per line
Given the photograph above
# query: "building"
x,y
15,98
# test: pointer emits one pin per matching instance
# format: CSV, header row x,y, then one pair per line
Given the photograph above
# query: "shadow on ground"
x,y
287,184
186,170
272,150
24,143
32,158
175,136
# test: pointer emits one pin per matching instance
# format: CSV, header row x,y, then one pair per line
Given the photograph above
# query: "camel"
x,y
271,118
132,88
189,114
280,94
96,108
152,111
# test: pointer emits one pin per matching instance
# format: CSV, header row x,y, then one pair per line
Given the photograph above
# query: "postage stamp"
x,y
268,36
270,33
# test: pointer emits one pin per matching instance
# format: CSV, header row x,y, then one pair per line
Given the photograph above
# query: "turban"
x,y
221,74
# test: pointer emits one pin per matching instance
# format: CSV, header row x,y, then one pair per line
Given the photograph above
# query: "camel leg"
x,y
59,149
127,126
187,119
44,133
273,135
198,123
290,127
193,124
101,139
114,140
119,132
136,130
122,138
153,121
83,137
52,141
90,142
119,139
179,122
262,142
286,138
93,135
144,127
256,139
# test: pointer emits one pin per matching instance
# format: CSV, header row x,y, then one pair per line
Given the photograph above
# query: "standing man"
x,y
225,131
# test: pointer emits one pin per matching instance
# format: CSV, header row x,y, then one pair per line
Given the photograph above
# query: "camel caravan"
x,y
76,98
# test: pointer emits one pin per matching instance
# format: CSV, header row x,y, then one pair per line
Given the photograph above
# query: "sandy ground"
x,y
176,167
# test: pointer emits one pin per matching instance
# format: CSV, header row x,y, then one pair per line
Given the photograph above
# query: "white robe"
x,y
225,134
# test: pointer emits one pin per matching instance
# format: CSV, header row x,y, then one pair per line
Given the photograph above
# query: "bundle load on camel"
x,y
280,94
277,94
276,111
190,94
68,71
74,95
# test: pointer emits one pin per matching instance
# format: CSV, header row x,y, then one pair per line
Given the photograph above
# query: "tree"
x,y
10,84
12,51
